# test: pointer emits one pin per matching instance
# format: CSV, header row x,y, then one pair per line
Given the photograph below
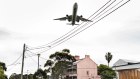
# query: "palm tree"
x,y
108,57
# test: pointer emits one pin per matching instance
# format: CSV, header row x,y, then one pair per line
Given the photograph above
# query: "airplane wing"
x,y
61,19
83,19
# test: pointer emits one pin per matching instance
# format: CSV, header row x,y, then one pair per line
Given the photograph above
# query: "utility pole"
x,y
72,70
27,74
38,60
24,49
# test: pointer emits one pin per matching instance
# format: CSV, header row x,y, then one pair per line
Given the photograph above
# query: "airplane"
x,y
74,17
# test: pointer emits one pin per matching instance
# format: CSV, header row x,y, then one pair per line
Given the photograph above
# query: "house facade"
x,y
127,69
84,68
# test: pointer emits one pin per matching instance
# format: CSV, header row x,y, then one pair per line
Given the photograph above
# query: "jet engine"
x,y
68,17
78,18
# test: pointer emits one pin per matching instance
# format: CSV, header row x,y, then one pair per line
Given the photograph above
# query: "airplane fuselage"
x,y
74,17
74,13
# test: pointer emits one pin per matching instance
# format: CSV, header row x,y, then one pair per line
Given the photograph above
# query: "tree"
x,y
40,73
108,57
3,66
106,72
2,75
66,50
2,69
59,62
18,76
14,76
49,63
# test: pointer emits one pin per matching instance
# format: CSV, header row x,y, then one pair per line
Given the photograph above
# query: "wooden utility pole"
x,y
27,74
24,49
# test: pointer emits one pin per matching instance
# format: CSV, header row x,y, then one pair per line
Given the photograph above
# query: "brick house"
x,y
84,68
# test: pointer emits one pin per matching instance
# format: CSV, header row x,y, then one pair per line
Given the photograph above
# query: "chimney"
x,y
77,57
87,56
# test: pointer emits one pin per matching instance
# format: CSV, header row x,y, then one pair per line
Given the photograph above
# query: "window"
x,y
87,72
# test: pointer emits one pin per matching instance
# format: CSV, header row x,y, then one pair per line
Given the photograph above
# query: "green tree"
x,y
14,76
2,75
108,57
18,76
30,76
40,73
59,62
2,69
3,66
49,63
106,72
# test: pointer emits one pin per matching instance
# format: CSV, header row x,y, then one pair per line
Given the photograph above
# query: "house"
x,y
127,69
84,68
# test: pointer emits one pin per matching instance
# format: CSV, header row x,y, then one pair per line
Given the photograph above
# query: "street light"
x,y
38,60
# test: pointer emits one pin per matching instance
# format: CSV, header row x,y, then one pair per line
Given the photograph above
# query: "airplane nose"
x,y
75,5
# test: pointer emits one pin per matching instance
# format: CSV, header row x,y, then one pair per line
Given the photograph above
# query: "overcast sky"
x,y
31,22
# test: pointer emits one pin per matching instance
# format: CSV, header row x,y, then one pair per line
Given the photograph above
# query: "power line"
x,y
94,22
13,66
33,54
82,26
74,32
100,15
29,56
15,61
63,36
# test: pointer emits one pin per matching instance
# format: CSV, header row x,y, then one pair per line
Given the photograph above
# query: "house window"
x,y
87,72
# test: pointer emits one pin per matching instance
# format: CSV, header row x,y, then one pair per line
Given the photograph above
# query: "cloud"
x,y
4,33
131,35
129,32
